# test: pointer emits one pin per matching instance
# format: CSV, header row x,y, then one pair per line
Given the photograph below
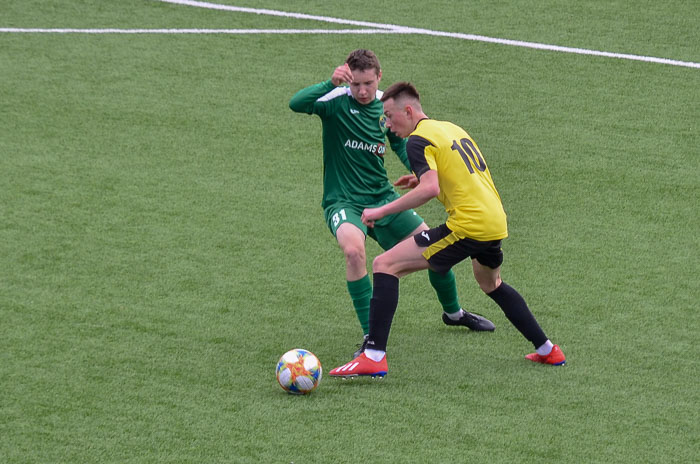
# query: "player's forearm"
x,y
413,199
303,101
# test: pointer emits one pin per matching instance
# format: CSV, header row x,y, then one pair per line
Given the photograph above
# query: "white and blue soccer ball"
x,y
299,371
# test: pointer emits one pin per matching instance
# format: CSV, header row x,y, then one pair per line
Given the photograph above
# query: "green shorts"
x,y
387,232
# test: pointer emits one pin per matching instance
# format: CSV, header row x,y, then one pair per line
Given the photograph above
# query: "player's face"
x,y
364,85
398,119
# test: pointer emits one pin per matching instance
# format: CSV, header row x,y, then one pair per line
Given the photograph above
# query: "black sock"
x,y
382,306
517,312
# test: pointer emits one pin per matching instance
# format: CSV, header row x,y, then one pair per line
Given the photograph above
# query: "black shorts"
x,y
445,248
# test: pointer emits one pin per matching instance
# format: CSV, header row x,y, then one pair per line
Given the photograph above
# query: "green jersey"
x,y
354,144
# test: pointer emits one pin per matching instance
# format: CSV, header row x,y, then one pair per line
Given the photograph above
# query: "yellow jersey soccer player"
x,y
450,167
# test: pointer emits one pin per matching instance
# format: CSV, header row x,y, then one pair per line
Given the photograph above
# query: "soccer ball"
x,y
299,371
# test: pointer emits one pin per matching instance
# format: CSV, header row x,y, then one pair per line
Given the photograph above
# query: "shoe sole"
x,y
378,375
490,328
481,329
549,364
475,329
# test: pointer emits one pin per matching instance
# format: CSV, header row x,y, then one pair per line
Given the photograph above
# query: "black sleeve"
x,y
415,148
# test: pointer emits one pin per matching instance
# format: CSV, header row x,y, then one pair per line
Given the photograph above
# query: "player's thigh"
x,y
397,227
402,259
486,264
444,248
338,215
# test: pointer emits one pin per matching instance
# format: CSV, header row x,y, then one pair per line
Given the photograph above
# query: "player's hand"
x,y
342,74
370,215
406,182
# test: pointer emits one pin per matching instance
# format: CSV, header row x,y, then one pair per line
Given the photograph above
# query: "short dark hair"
x,y
362,60
401,89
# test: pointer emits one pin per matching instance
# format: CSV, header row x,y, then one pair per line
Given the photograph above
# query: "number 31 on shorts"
x,y
338,216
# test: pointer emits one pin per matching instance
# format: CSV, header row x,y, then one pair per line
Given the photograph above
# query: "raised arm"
x,y
304,100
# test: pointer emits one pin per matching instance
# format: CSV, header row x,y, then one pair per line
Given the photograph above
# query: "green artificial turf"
x,y
162,242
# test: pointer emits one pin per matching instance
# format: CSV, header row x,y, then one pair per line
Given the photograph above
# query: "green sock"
x,y
446,288
361,292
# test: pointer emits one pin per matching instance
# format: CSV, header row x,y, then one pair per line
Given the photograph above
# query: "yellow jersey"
x,y
466,188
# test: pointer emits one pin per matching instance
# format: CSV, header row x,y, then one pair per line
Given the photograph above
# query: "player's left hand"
x,y
370,215
406,182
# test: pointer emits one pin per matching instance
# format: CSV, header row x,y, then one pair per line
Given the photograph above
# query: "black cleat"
x,y
474,321
361,347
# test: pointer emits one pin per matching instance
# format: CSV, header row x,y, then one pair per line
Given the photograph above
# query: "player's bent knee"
x,y
487,287
354,255
381,264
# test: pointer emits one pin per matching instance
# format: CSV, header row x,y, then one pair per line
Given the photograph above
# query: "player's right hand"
x,y
342,74
370,215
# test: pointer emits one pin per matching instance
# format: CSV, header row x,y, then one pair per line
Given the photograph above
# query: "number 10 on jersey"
x,y
470,154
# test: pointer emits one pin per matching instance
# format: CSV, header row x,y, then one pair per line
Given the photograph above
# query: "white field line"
x,y
376,28
239,9
411,30
198,31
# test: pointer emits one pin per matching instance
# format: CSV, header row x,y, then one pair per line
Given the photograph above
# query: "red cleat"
x,y
555,358
361,365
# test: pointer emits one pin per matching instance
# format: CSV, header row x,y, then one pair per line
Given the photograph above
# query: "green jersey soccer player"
x,y
354,178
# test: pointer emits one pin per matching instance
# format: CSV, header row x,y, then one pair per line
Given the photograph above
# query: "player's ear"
x,y
379,75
